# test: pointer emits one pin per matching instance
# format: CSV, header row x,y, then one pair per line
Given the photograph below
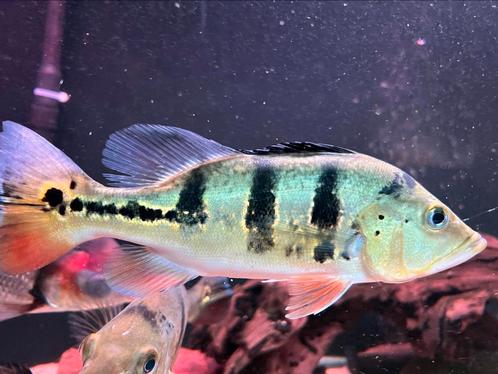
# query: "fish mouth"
x,y
471,246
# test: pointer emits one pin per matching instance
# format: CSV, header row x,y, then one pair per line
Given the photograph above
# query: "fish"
x,y
73,282
316,216
145,336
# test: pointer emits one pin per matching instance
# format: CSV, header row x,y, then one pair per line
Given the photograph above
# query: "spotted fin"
x,y
136,271
311,295
34,176
149,154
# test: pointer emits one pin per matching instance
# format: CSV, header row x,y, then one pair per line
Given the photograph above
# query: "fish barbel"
x,y
316,216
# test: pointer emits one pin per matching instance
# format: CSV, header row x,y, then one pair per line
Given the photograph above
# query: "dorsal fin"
x,y
297,147
149,154
84,323
13,368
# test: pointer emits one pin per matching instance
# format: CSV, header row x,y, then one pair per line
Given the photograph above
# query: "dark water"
x,y
412,83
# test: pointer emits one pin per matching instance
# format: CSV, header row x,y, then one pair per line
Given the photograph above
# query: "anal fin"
x,y
312,295
137,271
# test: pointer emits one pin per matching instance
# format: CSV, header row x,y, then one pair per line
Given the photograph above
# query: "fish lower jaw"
x,y
474,245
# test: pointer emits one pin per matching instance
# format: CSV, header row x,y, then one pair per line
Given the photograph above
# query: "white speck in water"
x,y
152,101
177,4
281,22
90,133
344,4
264,102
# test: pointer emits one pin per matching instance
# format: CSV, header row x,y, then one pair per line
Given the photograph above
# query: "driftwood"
x,y
448,321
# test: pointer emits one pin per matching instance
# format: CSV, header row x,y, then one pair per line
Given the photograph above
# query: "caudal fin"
x,y
35,180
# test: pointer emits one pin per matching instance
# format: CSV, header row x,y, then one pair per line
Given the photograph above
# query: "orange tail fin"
x,y
35,178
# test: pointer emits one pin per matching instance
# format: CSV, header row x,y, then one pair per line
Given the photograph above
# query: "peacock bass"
x,y
316,216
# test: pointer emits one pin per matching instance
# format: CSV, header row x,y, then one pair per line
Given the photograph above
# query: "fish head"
x,y
125,347
410,234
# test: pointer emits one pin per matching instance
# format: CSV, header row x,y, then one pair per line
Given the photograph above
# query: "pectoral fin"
x,y
312,295
136,271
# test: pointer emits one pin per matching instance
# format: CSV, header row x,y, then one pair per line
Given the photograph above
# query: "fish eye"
x,y
150,364
437,218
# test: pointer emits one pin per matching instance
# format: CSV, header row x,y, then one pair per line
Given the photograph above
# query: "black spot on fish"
x,y
149,214
345,256
76,205
381,217
324,251
147,314
130,210
288,250
94,207
72,185
326,205
110,209
62,209
377,233
171,215
394,188
53,197
260,214
190,206
297,249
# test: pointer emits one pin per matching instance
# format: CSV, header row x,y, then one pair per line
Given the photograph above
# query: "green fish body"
x,y
317,216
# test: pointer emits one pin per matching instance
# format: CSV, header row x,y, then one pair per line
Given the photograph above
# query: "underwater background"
x,y
412,83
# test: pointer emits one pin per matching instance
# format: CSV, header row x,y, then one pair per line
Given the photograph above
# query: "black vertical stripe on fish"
x,y
326,205
260,214
393,188
190,206
146,313
324,251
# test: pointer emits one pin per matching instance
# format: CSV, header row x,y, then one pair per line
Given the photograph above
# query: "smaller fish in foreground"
x,y
146,335
73,282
